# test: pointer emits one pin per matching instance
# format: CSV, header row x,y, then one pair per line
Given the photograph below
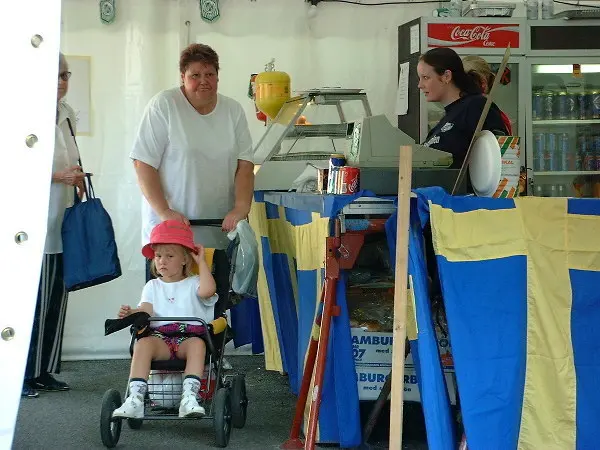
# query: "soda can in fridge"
x,y
583,105
553,191
537,106
551,159
561,191
539,190
539,150
548,99
578,161
562,106
563,151
595,105
572,106
588,153
572,159
596,147
581,148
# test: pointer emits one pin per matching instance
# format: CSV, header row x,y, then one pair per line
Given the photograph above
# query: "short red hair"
x,y
198,53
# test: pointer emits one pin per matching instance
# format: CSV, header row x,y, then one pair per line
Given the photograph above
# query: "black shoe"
x,y
47,382
28,391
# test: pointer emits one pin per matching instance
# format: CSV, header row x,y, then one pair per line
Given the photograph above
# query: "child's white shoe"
x,y
189,407
132,408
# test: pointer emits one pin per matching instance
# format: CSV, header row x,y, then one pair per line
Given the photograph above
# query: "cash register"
x,y
294,141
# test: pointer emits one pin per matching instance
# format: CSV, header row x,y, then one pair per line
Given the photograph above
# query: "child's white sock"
x,y
138,386
191,385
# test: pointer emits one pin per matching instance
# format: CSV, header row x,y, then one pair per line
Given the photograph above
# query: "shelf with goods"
x,y
370,303
566,163
565,130
567,183
558,122
567,173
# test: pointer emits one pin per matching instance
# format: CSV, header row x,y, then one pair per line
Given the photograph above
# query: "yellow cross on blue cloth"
x,y
520,283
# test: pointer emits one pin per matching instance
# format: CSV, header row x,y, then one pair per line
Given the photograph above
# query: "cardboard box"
x,y
374,349
510,149
372,353
370,381
371,348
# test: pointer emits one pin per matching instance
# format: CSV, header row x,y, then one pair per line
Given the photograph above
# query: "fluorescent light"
x,y
565,68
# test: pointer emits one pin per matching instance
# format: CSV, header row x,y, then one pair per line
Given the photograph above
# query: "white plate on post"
x,y
485,165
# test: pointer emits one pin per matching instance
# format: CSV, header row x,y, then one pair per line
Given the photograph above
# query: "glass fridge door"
x,y
506,97
565,128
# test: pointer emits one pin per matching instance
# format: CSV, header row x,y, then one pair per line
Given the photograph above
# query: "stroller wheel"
x,y
135,424
222,417
239,401
110,430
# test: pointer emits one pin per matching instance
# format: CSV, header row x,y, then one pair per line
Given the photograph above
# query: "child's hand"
x,y
199,256
124,311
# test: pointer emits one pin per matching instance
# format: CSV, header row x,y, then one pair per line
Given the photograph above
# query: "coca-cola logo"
x,y
477,33
353,185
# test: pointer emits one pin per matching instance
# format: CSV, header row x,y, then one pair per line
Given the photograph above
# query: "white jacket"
x,y
61,195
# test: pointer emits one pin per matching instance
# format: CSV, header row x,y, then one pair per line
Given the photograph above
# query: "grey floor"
x,y
71,420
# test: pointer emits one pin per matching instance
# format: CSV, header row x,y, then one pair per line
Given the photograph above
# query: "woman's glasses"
x,y
64,76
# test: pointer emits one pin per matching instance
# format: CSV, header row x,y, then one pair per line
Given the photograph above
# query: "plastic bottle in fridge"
x,y
455,8
547,9
532,7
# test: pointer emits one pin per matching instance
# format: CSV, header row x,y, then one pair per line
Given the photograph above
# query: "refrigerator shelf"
x,y
566,122
569,173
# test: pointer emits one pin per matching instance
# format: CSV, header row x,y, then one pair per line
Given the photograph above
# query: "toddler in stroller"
x,y
177,292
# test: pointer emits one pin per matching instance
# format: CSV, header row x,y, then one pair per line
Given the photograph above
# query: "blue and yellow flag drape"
x,y
520,280
421,333
292,230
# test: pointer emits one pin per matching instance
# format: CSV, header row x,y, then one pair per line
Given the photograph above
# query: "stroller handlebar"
x,y
178,319
206,222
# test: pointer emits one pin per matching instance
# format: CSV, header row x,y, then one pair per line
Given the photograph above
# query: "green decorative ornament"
x,y
107,11
209,10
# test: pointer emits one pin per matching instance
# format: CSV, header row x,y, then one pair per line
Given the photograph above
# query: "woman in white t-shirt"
x,y
193,159
45,347
175,292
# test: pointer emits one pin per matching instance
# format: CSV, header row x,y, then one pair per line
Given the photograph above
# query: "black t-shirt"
x,y
454,132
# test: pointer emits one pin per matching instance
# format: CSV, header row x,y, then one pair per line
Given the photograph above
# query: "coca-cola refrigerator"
x,y
563,97
487,37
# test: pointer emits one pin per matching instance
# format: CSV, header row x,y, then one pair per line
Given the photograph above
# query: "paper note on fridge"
x,y
402,94
414,39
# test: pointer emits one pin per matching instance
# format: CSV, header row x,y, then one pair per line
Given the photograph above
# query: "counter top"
x,y
327,205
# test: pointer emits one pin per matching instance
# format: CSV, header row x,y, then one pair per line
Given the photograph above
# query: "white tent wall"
x,y
137,56
131,60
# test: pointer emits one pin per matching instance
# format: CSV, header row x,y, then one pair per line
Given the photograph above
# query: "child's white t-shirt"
x,y
179,299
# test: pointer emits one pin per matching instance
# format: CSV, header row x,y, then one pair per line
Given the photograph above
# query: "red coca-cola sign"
x,y
473,35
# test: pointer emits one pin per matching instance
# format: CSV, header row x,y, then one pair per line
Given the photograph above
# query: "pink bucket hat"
x,y
170,232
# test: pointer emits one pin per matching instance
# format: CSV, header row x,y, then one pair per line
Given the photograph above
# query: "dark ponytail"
x,y
442,59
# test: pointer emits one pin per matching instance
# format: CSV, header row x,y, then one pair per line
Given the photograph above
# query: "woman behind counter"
x,y
479,68
443,79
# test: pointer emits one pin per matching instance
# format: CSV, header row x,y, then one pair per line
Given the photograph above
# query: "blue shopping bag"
x,y
90,254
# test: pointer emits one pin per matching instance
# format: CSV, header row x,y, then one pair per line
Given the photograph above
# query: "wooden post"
x,y
400,296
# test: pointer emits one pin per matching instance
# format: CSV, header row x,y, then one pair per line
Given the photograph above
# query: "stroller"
x,y
222,396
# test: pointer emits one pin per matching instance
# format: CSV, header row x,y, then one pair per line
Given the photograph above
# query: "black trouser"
x,y
220,272
45,347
